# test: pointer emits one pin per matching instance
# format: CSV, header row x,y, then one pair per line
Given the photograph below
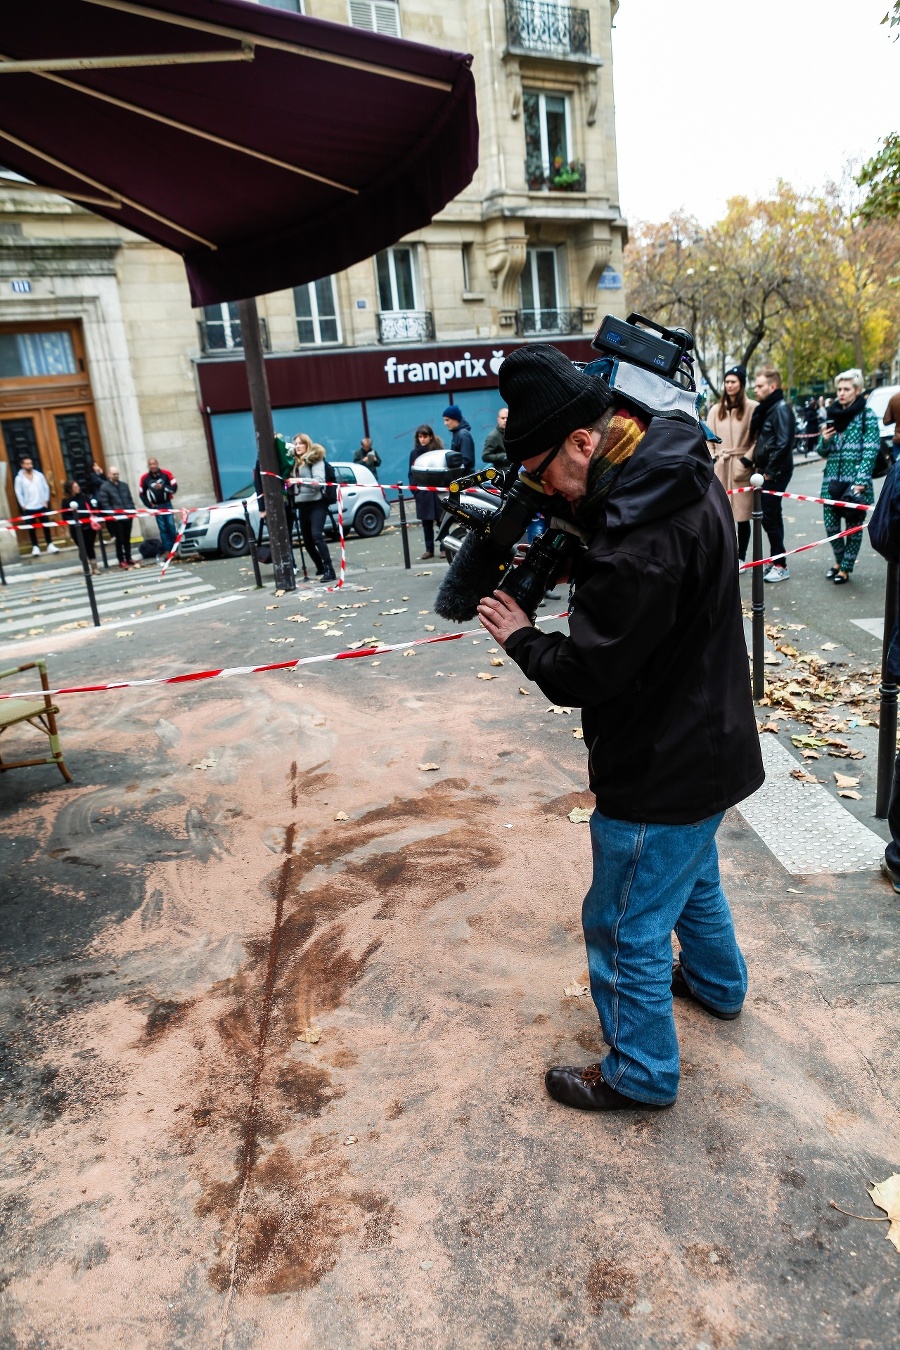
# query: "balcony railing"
x,y
532,321
405,325
561,177
221,338
539,26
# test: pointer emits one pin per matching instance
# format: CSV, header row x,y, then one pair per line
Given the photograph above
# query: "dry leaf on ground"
x,y
123,632
311,1035
392,611
208,763
578,734
850,792
767,726
580,815
556,709
430,627
829,646
409,653
278,594
427,768
802,776
496,661
485,675
810,754
524,691
886,1195
576,990
342,815
267,606
844,780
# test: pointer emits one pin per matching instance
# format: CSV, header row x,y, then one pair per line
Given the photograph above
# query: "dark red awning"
x,y
266,148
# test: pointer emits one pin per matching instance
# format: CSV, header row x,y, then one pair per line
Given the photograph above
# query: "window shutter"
x,y
379,16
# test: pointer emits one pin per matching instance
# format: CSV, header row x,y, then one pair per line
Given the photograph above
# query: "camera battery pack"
x,y
634,344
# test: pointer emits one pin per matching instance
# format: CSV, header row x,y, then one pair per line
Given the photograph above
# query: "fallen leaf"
x,y
311,1035
187,597
496,661
850,792
279,594
886,1195
427,768
392,611
767,726
424,611
770,659
580,815
562,711
808,742
485,675
796,627
208,763
792,890
829,647
376,663
404,597
578,734
355,646
429,627
342,815
810,754
576,990
803,777
123,632
475,641
334,632
409,653
524,691
267,606
298,618
423,574
351,1139
844,780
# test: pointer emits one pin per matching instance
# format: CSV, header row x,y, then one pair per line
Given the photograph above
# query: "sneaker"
x,y
886,872
776,573
35,551
51,548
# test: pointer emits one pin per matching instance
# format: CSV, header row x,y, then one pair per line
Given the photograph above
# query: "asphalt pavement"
x,y
282,969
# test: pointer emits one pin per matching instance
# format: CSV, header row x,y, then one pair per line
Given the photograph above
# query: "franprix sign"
x,y
340,375
468,367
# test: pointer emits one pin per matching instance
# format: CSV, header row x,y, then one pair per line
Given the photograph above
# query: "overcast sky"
x,y
714,98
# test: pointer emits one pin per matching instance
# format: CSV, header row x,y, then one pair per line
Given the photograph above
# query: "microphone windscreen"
x,y
476,571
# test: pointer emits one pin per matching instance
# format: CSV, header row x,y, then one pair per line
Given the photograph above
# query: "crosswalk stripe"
x,y
83,611
38,603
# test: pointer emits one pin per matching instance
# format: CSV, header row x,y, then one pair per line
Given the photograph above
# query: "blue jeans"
x,y
166,527
649,880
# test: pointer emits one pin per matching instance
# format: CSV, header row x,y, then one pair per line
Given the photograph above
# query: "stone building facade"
x,y
101,353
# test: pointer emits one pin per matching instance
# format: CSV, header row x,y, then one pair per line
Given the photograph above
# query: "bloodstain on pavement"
x,y
610,1282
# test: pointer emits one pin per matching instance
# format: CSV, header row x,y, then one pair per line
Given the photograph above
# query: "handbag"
x,y
839,488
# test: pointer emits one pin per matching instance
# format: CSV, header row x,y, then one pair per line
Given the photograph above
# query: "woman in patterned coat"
x,y
849,443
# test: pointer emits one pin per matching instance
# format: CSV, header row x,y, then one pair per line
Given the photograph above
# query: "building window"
x,y
467,266
33,355
222,327
379,16
295,6
397,286
548,133
317,313
544,295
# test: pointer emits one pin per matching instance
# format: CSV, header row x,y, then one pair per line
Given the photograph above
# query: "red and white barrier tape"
x,y
823,501
340,509
42,517
174,549
194,676
760,562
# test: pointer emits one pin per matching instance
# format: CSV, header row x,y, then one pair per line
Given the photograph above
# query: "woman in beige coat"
x,y
730,421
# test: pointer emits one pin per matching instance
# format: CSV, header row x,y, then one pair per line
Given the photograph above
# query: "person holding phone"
x,y
849,444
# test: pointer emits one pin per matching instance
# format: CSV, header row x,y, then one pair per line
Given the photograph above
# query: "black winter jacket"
x,y
115,496
773,450
656,656
463,443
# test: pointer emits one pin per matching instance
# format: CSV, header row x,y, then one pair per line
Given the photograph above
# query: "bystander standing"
x,y
78,511
729,419
850,443
156,490
115,495
312,504
772,434
33,495
368,456
892,418
494,452
428,506
461,435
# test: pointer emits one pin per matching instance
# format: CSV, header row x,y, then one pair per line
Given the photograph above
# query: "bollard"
x,y
86,568
251,540
757,592
404,531
887,715
3,581
103,547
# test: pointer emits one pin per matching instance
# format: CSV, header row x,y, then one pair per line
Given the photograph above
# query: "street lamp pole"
x,y
276,518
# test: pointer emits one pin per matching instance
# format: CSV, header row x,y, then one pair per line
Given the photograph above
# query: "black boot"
x,y
585,1089
680,990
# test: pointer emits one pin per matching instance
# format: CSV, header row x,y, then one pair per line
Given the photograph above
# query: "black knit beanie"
x,y
740,372
547,399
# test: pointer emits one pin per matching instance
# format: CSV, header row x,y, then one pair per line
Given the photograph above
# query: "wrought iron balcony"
x,y
561,177
535,26
532,321
219,337
405,325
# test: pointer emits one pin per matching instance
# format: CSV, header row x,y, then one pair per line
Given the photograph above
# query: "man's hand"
x,y
502,617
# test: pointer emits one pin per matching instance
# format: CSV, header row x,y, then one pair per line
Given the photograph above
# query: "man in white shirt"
x,y
33,495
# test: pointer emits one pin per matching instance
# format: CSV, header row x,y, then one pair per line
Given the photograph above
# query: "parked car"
x,y
222,528
877,402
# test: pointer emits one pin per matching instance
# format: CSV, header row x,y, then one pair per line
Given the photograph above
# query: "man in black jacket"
x,y
656,659
461,435
772,434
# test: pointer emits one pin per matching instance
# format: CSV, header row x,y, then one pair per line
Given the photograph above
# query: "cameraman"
x,y
657,660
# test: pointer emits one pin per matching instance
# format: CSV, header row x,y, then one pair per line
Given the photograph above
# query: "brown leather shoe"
x,y
680,990
586,1090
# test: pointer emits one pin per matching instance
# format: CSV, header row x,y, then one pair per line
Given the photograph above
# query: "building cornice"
x,y
58,257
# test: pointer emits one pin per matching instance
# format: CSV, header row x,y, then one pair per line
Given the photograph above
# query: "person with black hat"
x,y
656,659
729,419
461,435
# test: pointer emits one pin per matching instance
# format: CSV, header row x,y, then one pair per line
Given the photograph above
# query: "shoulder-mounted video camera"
x,y
650,369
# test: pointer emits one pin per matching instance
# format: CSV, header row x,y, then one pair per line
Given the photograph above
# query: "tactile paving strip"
x,y
804,826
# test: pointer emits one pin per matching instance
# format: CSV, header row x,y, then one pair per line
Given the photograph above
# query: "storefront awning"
x,y
266,148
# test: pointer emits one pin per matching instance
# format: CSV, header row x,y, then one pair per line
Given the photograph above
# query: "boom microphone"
x,y
476,571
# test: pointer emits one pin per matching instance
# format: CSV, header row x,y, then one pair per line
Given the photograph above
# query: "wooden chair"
x,y
39,713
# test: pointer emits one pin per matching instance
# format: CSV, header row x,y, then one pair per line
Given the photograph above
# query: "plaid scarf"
x,y
623,434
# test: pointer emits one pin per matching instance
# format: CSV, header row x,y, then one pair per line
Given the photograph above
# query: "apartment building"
x,y
102,356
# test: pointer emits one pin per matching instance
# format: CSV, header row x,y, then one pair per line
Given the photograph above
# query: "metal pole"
x,y
404,531
887,716
758,604
251,540
86,568
103,546
261,406
3,581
